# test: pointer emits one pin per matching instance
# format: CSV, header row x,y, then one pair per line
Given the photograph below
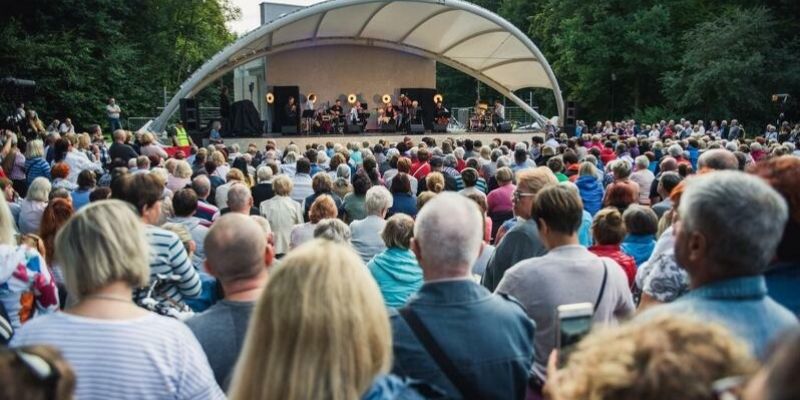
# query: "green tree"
x,y
731,66
81,52
607,54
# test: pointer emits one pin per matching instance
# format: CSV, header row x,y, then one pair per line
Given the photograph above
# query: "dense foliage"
x,y
694,58
80,52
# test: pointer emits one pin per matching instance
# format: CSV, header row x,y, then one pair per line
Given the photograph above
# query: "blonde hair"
x,y
7,229
218,158
182,169
295,351
84,141
282,185
103,243
535,179
35,149
665,357
435,182
146,139
398,231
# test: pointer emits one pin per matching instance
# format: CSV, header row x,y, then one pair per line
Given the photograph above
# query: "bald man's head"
x,y
718,159
236,248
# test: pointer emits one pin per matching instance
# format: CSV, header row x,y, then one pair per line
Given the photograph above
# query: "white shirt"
x,y
78,161
149,357
64,128
113,111
283,214
500,111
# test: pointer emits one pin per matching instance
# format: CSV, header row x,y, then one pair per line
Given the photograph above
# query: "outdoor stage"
x,y
373,138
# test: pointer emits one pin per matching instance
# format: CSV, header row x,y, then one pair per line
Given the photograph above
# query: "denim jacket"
x,y
487,336
740,304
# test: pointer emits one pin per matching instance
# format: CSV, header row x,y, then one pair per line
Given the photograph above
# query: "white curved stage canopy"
x,y
457,33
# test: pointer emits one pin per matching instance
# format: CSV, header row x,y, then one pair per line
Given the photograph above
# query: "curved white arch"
x,y
461,35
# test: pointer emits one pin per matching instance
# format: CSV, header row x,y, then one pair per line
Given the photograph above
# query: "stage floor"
x,y
373,138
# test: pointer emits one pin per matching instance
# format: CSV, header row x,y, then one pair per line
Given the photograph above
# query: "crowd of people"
x,y
429,268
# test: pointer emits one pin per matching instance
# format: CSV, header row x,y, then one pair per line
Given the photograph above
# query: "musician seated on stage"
x,y
337,110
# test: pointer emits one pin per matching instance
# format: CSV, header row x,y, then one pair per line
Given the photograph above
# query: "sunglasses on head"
x,y
518,195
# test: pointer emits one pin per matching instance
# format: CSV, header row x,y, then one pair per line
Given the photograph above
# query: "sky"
x,y
251,15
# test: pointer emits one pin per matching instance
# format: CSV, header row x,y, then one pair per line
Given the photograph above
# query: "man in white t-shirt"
x,y
113,111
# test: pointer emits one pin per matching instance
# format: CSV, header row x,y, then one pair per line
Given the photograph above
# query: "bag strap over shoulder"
x,y
602,286
464,386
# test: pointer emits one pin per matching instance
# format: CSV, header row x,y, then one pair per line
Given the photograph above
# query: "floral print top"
x,y
27,287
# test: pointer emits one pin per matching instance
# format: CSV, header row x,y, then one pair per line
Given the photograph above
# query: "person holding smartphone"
x,y
567,274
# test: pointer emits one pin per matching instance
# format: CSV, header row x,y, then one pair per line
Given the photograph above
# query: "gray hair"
x,y
503,161
343,171
333,229
39,190
239,197
717,159
642,162
377,200
621,169
392,152
450,161
447,234
675,150
739,215
264,173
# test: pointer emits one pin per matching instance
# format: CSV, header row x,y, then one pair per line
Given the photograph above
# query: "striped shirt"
x,y
168,256
149,357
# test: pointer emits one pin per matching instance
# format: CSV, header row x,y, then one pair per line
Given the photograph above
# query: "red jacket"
x,y
613,252
607,155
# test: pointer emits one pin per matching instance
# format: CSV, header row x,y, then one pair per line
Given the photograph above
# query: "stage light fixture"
x,y
437,98
270,98
312,98
351,98
386,99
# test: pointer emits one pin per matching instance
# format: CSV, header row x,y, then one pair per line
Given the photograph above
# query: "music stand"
x,y
308,114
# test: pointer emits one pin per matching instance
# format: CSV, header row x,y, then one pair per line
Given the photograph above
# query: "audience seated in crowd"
x,y
359,306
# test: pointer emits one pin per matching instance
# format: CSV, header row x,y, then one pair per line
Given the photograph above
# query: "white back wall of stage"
x,y
333,72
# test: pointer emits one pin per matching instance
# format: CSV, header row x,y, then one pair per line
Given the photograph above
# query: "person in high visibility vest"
x,y
180,137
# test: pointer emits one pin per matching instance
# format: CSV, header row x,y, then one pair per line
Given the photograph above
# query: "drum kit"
x,y
481,119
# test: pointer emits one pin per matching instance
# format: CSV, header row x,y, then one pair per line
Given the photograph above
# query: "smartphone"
x,y
573,322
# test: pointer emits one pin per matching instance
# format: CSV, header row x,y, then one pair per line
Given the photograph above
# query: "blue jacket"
x,y
585,231
640,247
487,336
403,203
390,387
740,304
694,155
783,279
397,273
36,167
591,193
